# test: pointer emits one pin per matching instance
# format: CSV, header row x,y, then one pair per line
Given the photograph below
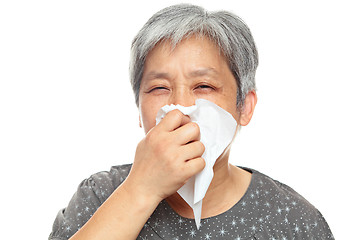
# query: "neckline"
x,y
242,199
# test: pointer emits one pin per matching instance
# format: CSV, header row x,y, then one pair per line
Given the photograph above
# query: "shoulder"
x,y
115,175
90,194
278,189
284,211
109,180
105,182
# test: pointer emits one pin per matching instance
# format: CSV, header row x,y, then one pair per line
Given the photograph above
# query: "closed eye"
x,y
157,88
204,87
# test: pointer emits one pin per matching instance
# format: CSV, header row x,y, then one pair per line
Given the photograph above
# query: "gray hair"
x,y
177,22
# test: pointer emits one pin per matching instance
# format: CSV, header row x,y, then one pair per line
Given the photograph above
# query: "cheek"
x,y
148,114
228,103
233,110
147,119
237,115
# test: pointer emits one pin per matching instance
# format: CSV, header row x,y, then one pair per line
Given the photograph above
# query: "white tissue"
x,y
217,129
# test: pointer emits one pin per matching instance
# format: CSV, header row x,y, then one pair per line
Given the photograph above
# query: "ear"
x,y
247,109
140,125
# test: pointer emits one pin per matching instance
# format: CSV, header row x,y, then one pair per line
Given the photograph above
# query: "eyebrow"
x,y
196,73
156,75
203,72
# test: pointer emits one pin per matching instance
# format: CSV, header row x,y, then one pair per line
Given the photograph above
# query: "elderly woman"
x,y
184,53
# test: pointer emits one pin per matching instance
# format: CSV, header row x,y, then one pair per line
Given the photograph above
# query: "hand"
x,y
167,157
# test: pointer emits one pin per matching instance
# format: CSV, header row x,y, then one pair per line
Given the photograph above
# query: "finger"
x,y
173,120
194,166
192,150
187,133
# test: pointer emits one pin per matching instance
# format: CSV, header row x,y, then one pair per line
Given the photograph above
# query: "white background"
x,y
67,109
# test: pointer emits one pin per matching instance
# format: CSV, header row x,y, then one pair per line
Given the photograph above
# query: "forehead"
x,y
195,51
193,37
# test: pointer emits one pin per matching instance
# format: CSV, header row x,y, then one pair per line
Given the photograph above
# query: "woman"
x,y
182,54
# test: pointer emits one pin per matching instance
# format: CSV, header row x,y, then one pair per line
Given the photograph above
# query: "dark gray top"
x,y
268,210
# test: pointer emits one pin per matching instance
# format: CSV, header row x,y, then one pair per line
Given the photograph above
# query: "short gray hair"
x,y
177,22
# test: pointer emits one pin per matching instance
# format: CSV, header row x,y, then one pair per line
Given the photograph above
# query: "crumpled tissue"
x,y
217,130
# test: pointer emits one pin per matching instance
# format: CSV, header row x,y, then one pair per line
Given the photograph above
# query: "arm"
x,y
165,159
121,216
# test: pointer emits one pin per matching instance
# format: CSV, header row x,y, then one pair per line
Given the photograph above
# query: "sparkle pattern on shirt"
x,y
268,210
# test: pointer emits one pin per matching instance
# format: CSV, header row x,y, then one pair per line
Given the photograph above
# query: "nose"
x,y
182,97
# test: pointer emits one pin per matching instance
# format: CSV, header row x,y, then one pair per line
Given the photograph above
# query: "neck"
x,y
221,190
227,187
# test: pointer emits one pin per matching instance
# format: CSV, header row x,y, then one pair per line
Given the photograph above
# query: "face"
x,y
195,69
